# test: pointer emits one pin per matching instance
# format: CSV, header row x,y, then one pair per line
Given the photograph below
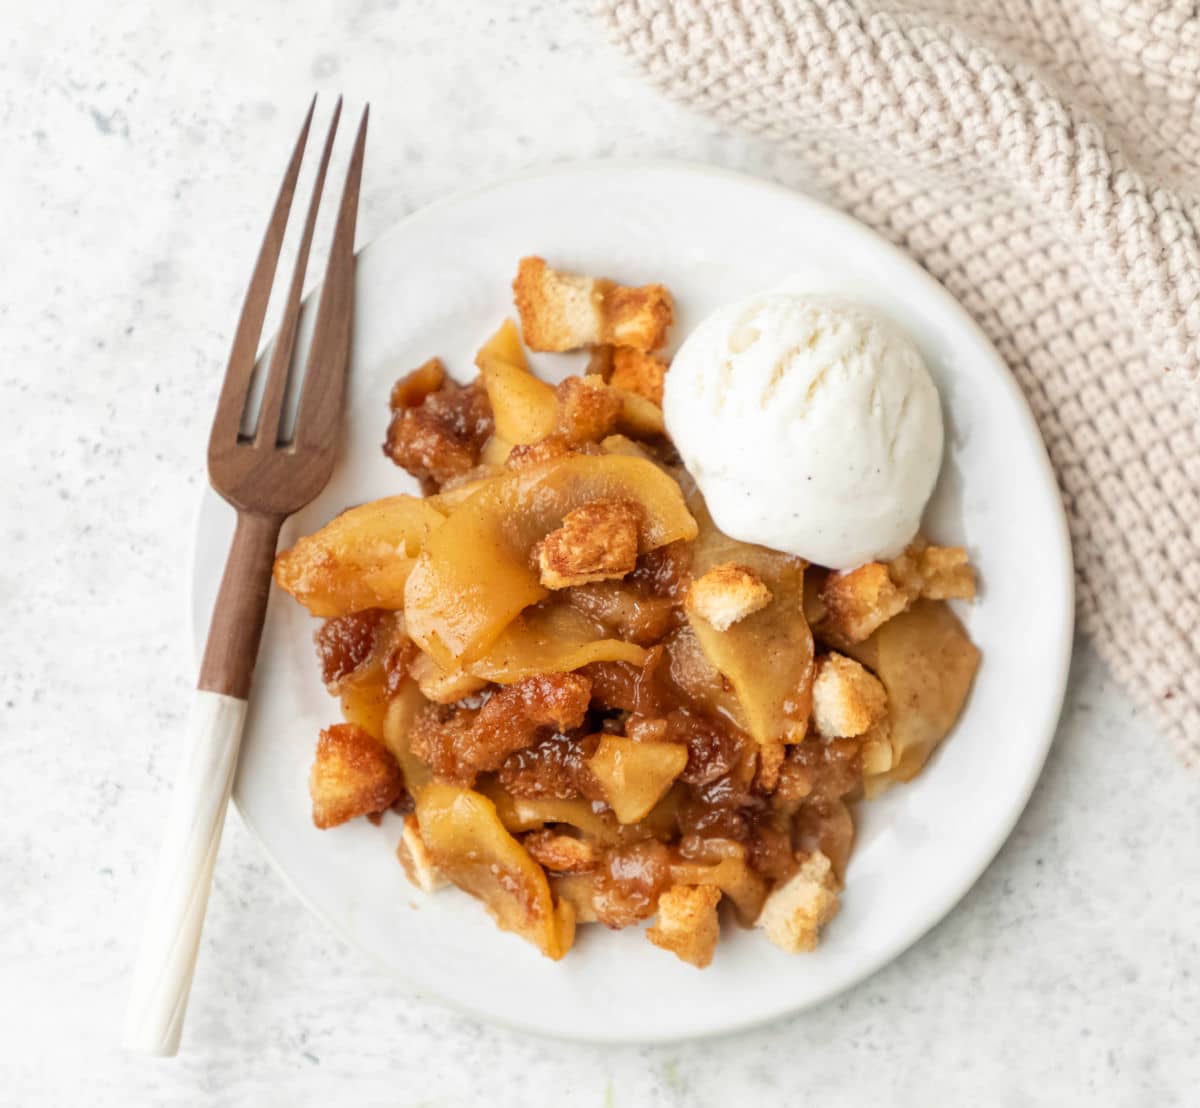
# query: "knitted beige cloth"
x,y
1042,159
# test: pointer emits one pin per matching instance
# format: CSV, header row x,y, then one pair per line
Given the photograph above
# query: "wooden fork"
x,y
266,480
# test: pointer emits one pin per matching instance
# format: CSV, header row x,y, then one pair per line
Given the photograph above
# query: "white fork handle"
x,y
162,977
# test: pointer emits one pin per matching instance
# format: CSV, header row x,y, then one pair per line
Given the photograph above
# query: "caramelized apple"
x,y
927,664
550,638
519,813
401,711
639,417
768,655
361,559
523,407
474,575
470,846
634,776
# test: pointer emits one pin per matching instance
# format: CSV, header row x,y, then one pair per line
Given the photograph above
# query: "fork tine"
x,y
249,329
285,342
321,396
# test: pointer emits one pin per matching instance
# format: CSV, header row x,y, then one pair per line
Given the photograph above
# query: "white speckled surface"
x,y
141,147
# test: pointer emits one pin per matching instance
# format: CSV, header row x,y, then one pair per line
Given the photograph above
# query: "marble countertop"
x,y
141,149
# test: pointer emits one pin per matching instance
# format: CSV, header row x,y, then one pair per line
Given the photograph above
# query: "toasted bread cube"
x,y
565,311
687,923
636,371
637,317
587,410
934,572
596,542
352,775
795,912
559,311
414,857
858,602
560,853
847,698
946,574
728,593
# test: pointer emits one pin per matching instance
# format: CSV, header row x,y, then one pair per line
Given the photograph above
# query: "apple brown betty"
x,y
587,703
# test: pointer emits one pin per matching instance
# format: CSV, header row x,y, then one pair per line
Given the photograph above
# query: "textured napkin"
x,y
1042,159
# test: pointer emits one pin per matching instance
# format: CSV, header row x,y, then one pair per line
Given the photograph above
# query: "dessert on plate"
x,y
652,632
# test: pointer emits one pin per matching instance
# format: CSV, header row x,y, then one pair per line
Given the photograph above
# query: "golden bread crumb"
x,y
795,912
596,542
687,923
728,593
352,775
565,311
560,853
847,699
636,371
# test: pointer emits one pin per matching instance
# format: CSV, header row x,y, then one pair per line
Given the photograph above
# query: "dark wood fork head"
x,y
265,478
261,474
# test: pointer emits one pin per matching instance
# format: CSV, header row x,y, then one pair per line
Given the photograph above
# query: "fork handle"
x,y
162,977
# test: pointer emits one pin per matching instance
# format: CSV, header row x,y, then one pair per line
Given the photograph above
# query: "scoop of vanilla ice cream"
x,y
810,424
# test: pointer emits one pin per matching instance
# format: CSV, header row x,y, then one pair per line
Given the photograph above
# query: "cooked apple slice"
x,y
768,655
470,846
635,776
550,638
519,813
639,417
576,889
402,709
475,575
360,559
927,664
495,452
523,407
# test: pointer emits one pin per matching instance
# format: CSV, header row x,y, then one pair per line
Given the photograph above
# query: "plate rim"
x,y
1060,561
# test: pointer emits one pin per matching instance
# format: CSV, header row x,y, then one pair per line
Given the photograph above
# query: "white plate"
x,y
438,284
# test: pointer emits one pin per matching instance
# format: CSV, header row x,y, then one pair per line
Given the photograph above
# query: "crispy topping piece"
x,y
565,311
554,767
352,775
596,542
934,572
458,743
687,923
345,642
534,453
411,390
795,912
855,604
587,410
858,602
635,371
560,853
847,699
443,435
726,594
